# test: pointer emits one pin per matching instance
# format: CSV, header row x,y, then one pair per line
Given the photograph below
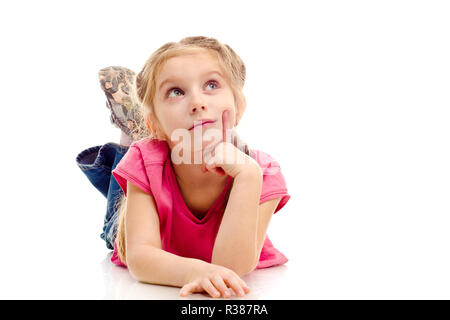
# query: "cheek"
x,y
172,123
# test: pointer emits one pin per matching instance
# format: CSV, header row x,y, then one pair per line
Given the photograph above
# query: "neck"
x,y
192,176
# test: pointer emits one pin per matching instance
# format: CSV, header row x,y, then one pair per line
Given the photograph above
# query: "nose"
x,y
195,108
197,102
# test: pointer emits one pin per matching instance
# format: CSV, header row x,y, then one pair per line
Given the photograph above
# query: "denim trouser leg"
x,y
97,163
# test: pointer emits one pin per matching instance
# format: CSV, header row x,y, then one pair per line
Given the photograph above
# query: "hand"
x,y
224,158
216,281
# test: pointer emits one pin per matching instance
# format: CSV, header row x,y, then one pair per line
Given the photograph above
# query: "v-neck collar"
x,y
186,210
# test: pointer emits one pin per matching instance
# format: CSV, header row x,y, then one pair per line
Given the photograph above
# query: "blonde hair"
x,y
144,90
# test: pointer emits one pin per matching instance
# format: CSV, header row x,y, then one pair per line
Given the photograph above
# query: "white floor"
x,y
104,280
264,284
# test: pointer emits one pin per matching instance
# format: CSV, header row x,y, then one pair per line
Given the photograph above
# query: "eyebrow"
x,y
177,79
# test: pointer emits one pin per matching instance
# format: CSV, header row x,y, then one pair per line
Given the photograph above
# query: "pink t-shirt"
x,y
148,165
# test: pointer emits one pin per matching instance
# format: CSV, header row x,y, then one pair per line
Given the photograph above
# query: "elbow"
x,y
241,267
133,267
240,261
249,266
244,269
139,266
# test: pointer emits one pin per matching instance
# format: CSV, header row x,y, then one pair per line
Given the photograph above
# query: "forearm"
x,y
156,266
236,241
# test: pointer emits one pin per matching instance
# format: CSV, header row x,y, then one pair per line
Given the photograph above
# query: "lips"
x,y
202,122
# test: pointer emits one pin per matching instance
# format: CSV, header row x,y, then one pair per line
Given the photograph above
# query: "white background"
x,y
351,97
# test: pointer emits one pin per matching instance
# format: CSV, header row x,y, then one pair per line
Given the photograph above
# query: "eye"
x,y
212,82
172,90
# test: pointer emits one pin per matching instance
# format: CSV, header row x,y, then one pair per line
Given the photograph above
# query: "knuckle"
x,y
217,278
228,274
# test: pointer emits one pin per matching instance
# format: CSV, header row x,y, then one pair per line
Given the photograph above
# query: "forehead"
x,y
198,61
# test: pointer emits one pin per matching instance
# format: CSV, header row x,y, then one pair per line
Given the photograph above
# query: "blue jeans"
x,y
97,163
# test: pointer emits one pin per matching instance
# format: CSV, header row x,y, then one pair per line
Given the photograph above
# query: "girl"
x,y
198,224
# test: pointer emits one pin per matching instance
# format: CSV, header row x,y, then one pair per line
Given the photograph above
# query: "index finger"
x,y
227,124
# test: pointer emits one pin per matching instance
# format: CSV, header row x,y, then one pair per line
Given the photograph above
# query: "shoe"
x,y
117,83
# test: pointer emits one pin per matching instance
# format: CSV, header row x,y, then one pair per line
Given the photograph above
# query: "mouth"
x,y
201,123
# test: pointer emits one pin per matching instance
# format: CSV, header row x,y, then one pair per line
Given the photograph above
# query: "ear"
x,y
152,125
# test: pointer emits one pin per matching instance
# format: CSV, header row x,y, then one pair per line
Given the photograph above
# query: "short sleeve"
x,y
131,168
274,183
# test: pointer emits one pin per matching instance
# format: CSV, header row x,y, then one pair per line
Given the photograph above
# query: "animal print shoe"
x,y
116,82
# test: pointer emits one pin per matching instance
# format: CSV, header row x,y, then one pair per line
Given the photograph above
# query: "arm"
x,y
236,242
229,237
266,210
146,261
